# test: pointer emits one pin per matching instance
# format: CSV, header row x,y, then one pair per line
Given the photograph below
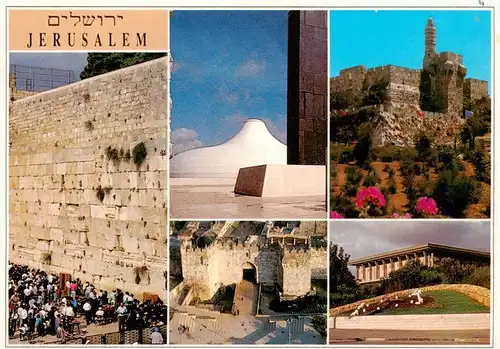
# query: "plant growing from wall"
x,y
127,156
102,192
89,125
113,154
141,272
139,154
46,258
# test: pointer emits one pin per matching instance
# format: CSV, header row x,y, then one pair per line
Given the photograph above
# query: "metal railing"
x,y
139,336
38,79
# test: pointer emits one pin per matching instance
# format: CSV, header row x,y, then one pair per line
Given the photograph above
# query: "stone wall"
x,y
223,261
57,162
401,84
475,89
400,123
222,264
14,93
312,228
318,263
296,272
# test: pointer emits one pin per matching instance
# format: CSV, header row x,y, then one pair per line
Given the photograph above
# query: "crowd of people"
x,y
39,305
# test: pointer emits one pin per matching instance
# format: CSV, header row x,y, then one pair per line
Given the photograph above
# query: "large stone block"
x,y
281,181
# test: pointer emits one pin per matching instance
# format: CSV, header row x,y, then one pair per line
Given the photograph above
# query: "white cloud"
x,y
250,68
184,139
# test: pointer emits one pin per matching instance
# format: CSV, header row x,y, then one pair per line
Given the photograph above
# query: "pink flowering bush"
x,y
405,216
426,206
335,215
370,201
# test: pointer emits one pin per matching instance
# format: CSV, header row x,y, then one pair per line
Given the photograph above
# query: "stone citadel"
x,y
404,101
282,257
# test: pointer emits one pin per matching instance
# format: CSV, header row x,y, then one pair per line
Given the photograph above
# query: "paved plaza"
x,y
85,330
208,327
202,201
384,337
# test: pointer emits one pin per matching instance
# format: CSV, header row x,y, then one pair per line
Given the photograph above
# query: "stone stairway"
x,y
245,297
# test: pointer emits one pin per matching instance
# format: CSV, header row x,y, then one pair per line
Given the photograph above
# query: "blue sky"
x,y
228,66
397,37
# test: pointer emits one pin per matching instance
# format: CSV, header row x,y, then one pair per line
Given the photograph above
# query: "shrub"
x,y
387,153
340,153
453,272
480,276
334,172
455,192
343,205
408,172
353,176
346,157
431,277
319,324
481,163
370,180
363,148
446,155
391,172
139,153
350,189
409,154
423,144
392,189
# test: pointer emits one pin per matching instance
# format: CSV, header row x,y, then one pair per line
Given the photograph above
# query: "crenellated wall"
x,y
411,100
57,162
222,263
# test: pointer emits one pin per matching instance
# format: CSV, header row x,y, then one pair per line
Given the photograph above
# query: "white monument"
x,y
253,145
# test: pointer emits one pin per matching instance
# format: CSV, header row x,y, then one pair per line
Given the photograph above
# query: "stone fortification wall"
x,y
400,123
475,89
14,93
400,84
318,263
58,161
222,263
312,228
296,266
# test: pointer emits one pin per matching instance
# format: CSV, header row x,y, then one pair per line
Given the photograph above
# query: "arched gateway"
x,y
249,272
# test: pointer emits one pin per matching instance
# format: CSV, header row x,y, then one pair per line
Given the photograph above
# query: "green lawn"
x,y
448,302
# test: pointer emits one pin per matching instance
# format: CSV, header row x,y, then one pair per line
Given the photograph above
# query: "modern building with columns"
x,y
377,267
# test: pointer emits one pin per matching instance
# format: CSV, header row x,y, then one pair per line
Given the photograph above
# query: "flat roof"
x,y
420,248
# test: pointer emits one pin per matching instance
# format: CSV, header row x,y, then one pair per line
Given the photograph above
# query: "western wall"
x,y
80,199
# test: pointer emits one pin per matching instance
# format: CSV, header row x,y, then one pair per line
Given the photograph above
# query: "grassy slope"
x,y
445,302
477,293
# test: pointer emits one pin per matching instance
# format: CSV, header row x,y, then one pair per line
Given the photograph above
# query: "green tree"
x,y
342,282
362,149
423,144
100,63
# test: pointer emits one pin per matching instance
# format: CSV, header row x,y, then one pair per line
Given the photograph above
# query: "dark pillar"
x,y
307,88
